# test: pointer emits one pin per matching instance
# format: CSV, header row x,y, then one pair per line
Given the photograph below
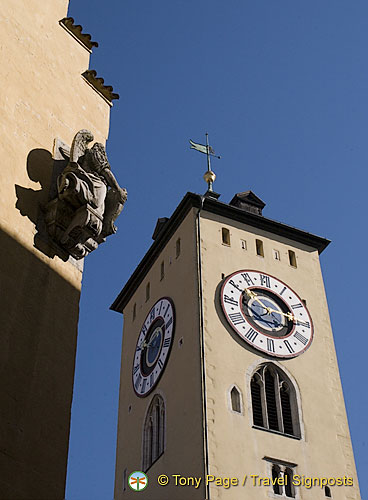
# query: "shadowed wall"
x,y
37,355
45,99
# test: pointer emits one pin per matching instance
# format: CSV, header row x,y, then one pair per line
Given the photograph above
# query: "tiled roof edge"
x,y
98,83
76,31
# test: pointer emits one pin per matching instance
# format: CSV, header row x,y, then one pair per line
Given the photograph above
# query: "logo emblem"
x,y
137,481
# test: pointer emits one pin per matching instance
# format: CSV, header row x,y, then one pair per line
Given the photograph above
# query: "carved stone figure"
x,y
89,199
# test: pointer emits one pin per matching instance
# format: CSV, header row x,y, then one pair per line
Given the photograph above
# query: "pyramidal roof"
x,y
249,202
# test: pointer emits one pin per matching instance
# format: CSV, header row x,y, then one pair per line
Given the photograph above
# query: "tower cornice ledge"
x,y
75,30
98,84
192,200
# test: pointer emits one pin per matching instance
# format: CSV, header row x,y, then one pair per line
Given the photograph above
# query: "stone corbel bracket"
x,y
85,199
99,85
76,31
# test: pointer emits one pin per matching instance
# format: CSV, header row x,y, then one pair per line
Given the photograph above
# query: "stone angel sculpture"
x,y
91,196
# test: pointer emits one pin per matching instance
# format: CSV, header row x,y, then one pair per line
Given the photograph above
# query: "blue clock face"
x,y
266,313
154,342
153,346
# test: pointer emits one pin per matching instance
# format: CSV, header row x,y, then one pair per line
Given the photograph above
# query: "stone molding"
x,y
98,83
76,31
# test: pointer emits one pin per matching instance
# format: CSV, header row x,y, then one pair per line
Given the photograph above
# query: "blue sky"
x,y
282,88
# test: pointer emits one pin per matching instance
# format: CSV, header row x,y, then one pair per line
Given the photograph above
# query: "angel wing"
x,y
79,144
99,157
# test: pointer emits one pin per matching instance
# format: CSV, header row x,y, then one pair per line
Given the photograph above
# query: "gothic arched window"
x,y
274,402
154,432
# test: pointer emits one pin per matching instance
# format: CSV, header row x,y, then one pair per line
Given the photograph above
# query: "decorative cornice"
x,y
76,30
98,83
212,206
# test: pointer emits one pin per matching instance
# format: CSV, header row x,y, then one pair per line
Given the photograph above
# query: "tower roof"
x,y
207,204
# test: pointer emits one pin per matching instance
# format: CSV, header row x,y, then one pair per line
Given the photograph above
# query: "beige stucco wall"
x,y
180,385
43,97
235,449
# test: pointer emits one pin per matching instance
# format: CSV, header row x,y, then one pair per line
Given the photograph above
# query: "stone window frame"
x,y
154,431
226,236
259,248
229,400
292,259
276,254
283,466
297,413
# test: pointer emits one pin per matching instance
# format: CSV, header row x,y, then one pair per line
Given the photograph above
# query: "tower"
x,y
229,380
49,95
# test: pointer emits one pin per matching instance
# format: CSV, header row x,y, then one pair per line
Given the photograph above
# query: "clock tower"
x,y
229,382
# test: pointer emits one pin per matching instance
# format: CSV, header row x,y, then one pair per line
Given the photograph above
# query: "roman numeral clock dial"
x,y
153,346
266,313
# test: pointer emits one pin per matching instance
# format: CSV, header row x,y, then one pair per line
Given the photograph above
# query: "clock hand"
x,y
288,315
153,338
269,310
253,295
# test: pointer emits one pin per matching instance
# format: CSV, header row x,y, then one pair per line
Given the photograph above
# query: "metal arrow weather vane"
x,y
209,176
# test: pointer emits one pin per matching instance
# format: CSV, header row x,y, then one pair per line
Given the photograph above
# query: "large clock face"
x,y
153,346
266,313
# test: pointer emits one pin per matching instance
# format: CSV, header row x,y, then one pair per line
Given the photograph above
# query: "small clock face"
x,y
266,313
153,346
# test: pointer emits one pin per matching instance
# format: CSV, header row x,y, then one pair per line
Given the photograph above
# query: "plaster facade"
x,y
180,385
235,447
324,449
44,97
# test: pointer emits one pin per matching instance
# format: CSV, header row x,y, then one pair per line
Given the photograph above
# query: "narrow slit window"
x,y
243,244
148,291
276,255
225,236
125,473
235,400
328,492
259,248
162,270
134,311
177,248
292,258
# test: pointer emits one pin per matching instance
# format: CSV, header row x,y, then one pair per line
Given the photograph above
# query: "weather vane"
x,y
209,176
